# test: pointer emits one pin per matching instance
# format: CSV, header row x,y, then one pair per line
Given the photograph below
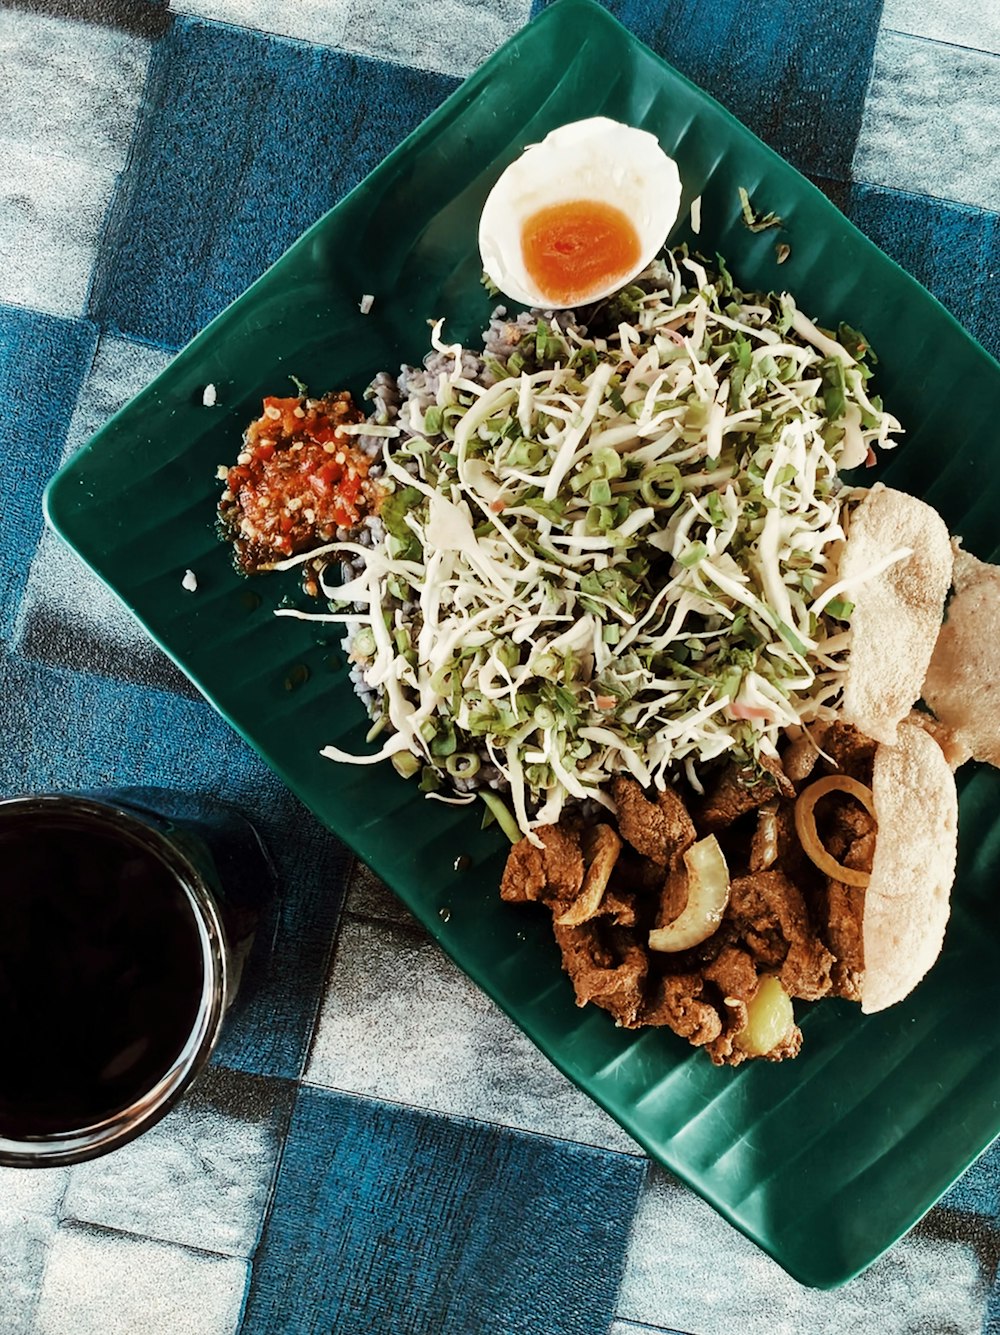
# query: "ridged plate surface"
x,y
826,1160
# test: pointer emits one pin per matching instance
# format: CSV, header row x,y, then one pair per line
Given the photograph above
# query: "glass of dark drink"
x,y
122,942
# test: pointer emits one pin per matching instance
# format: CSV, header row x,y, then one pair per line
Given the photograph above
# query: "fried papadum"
x,y
962,685
897,609
907,899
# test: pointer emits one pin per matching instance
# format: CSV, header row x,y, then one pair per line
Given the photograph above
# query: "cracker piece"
x,y
962,685
898,613
907,900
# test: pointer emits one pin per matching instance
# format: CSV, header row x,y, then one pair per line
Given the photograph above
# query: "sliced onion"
x,y
764,849
604,849
708,895
805,825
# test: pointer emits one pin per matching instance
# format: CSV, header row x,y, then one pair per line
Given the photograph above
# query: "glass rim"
x,y
75,1145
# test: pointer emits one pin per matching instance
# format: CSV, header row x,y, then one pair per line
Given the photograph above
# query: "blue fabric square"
x,y
778,65
953,249
227,172
389,1219
72,730
43,361
977,1191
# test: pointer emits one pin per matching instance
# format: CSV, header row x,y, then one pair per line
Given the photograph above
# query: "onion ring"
x,y
805,825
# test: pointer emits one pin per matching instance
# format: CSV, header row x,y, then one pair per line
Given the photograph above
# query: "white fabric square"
x,y
71,95
957,21
400,1021
201,1177
51,214
61,590
321,22
29,1201
99,1283
451,36
932,121
78,83
687,1269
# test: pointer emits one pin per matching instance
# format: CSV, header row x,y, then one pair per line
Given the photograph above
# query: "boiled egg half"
x,y
577,216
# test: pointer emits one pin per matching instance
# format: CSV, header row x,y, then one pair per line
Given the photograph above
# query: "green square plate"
x,y
824,1161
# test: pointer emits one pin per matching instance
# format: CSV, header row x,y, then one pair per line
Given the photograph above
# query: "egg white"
x,y
594,159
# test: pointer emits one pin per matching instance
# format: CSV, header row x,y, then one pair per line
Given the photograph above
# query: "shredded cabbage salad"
x,y
615,553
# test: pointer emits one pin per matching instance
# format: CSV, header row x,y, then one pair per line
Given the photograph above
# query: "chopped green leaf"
x,y
840,609
756,222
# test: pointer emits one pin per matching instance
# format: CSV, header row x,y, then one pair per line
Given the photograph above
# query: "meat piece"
x,y
800,757
723,1051
552,873
678,825
770,916
766,910
808,969
734,974
673,897
845,908
849,751
523,877
635,875
619,907
844,936
563,862
841,822
679,1004
739,789
660,830
607,967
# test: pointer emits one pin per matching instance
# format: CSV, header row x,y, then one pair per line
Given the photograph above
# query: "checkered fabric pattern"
x,y
376,1148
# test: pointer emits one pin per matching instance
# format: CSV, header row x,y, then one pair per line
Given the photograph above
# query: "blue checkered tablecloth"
x,y
365,1157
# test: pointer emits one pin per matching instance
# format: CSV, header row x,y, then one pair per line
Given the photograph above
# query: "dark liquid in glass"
x,y
101,973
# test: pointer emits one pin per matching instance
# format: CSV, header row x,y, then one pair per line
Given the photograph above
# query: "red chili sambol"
x,y
298,479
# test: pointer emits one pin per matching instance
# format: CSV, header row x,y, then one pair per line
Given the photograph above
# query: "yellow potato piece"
x,y
769,1019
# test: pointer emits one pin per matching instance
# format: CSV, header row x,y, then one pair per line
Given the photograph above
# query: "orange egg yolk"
x,y
572,250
